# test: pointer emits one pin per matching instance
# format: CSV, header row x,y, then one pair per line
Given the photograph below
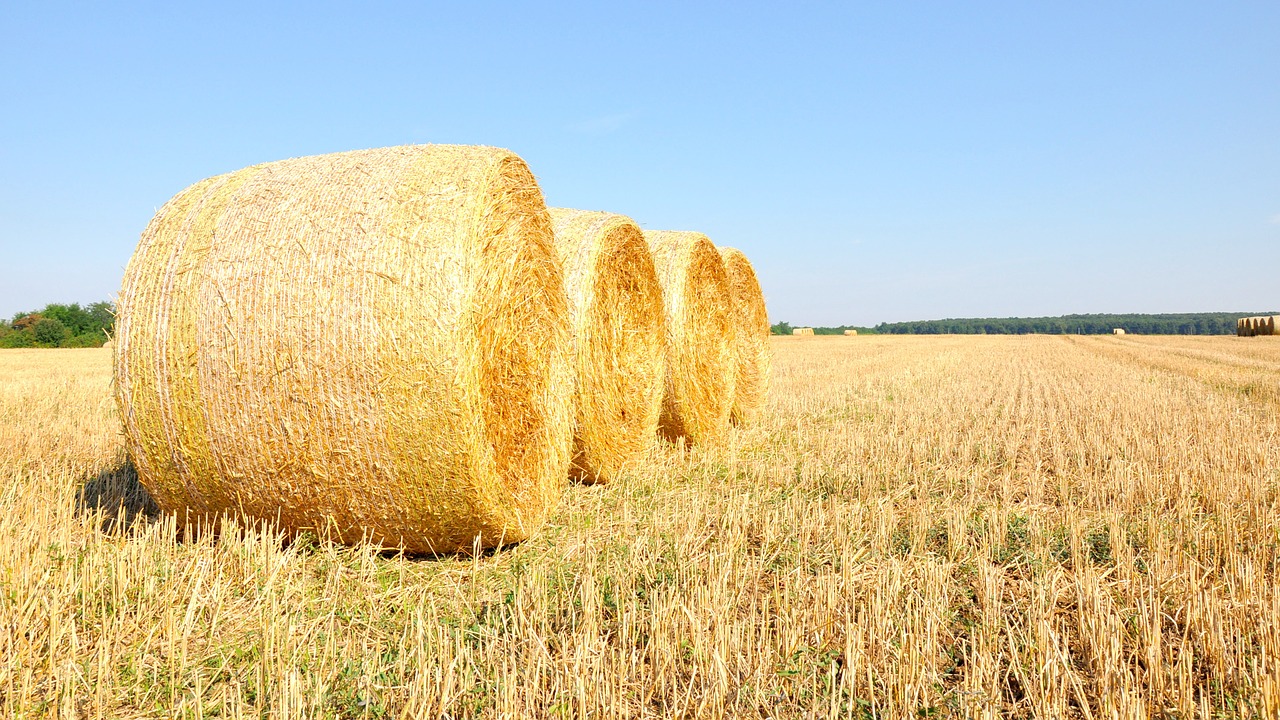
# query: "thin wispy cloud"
x,y
1275,219
601,124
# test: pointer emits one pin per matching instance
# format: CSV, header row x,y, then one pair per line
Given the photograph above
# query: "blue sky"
x,y
878,162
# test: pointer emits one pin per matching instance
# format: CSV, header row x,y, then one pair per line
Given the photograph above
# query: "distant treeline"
x,y
1166,324
60,326
1135,323
785,328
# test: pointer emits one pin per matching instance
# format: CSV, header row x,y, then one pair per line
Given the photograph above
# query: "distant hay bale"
x,y
369,344
615,309
700,376
749,320
1117,331
850,333
1257,325
802,331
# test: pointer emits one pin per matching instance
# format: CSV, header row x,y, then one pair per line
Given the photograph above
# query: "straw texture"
x,y
749,320
802,331
372,344
616,315
700,376
850,333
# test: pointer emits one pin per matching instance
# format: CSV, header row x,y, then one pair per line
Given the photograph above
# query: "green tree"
x,y
17,339
72,317
48,332
103,315
782,328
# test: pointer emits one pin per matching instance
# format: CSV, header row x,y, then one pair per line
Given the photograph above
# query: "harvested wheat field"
x,y
946,526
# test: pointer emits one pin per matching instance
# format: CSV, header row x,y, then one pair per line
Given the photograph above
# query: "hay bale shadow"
x,y
122,501
126,507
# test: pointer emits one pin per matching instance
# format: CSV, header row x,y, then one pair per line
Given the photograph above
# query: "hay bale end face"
x,y
617,321
369,344
698,396
749,319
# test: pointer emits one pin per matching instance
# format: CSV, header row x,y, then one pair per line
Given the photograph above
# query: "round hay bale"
x,y
616,316
850,333
700,375
371,344
750,333
1117,331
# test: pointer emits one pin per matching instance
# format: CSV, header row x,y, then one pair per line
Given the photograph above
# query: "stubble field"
x,y
919,526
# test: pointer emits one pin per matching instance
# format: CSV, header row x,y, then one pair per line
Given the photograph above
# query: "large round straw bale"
x,y
615,309
700,373
850,333
372,344
750,333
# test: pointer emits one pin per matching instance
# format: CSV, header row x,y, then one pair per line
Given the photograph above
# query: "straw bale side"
x,y
700,373
850,333
1117,331
804,332
370,344
749,320
615,306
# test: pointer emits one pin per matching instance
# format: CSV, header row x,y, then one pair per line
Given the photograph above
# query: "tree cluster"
x,y
60,325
